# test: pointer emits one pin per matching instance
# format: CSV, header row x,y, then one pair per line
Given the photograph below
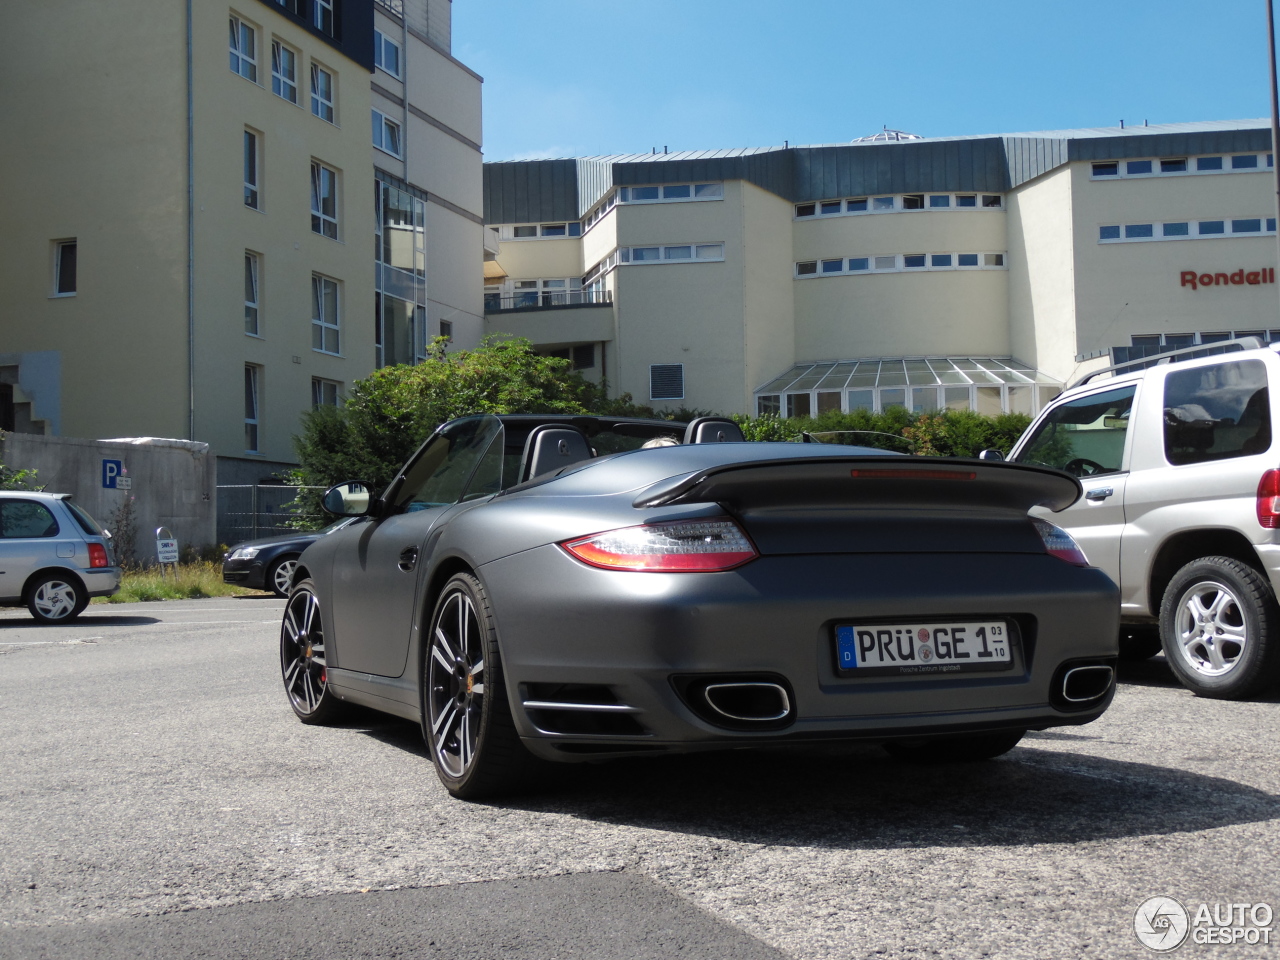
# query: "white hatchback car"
x,y
53,556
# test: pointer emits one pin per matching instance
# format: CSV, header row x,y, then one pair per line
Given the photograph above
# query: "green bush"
x,y
952,433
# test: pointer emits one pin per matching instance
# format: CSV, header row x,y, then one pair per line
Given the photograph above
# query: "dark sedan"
x,y
535,589
268,563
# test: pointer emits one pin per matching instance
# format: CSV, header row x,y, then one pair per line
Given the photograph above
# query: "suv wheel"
x,y
1219,623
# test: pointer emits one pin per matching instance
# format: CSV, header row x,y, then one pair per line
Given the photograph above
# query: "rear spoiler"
x,y
886,481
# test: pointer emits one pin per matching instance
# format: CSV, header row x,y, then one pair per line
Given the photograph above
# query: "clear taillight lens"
x,y
97,555
682,546
1058,543
1269,499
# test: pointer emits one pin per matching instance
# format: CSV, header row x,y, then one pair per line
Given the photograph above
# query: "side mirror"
x,y
991,453
350,499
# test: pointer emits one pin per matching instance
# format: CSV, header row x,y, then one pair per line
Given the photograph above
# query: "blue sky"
x,y
589,77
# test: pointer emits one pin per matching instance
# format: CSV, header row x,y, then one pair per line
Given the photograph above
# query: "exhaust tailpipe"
x,y
750,702
1081,685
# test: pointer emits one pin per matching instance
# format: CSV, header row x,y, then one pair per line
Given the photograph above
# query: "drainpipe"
x,y
1275,112
191,245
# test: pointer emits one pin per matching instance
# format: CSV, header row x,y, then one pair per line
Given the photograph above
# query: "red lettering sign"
x,y
1194,280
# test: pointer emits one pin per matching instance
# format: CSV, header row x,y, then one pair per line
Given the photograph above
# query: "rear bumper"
x,y
102,581
561,622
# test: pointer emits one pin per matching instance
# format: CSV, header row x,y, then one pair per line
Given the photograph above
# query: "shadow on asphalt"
x,y
1156,673
84,620
853,796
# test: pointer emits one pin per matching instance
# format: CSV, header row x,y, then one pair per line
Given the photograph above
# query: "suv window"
x,y
1085,436
1216,412
23,519
440,473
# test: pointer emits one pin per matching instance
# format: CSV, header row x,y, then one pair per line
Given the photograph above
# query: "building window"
x,y
666,381
1178,166
322,16
324,200
1181,230
905,202
251,264
893,263
251,168
64,268
292,6
284,72
446,330
767,406
386,134
324,314
688,252
581,357
533,231
386,53
672,192
321,92
325,393
244,49
252,411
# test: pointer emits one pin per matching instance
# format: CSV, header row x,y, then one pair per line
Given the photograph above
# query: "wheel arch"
x,y
1182,548
64,572
301,572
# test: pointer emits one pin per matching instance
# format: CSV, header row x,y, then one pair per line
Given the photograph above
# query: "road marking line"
x,y
37,643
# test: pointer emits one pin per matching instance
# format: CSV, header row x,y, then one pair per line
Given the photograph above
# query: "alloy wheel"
x,y
1211,631
55,599
302,657
455,683
282,576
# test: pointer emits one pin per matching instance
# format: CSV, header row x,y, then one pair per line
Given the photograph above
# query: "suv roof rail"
x,y
1174,356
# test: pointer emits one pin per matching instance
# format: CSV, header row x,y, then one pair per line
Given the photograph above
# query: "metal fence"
x,y
248,511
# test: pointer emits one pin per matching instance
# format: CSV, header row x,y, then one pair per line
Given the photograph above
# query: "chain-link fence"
x,y
251,510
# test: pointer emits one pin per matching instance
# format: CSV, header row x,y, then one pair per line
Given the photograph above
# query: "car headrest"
x,y
713,430
550,447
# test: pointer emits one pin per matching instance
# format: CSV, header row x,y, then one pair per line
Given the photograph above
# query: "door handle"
x,y
408,558
1099,493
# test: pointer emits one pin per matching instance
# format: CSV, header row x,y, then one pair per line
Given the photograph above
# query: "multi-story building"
x,y
185,224
956,273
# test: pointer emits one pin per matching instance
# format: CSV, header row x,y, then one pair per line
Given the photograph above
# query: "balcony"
x,y
546,300
552,317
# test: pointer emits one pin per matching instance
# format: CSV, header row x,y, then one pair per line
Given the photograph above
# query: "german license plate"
x,y
923,648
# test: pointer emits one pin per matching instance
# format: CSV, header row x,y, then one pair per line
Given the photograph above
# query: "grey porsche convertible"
x,y
557,588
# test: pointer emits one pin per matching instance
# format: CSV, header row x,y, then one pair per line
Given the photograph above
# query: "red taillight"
x,y
682,546
1269,499
1058,543
97,555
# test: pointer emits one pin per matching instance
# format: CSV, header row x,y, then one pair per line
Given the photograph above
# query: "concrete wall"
x,y
174,482
1123,289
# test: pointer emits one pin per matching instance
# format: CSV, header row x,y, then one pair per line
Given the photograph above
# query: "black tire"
x,y
1139,642
466,717
56,598
281,570
967,748
303,667
1218,622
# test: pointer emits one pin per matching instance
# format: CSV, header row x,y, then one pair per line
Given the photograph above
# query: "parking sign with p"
x,y
111,471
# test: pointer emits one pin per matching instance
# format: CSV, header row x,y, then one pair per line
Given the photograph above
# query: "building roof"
x,y
533,191
905,371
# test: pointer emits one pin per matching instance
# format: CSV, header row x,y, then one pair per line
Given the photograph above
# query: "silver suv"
x,y
1181,505
53,556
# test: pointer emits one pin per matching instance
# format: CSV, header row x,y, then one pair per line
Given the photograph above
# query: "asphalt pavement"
x,y
159,799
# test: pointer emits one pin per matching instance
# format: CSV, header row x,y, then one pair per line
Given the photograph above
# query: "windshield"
x,y
1085,436
82,518
439,474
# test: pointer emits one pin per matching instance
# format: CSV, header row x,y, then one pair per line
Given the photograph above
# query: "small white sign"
x,y
166,551
124,483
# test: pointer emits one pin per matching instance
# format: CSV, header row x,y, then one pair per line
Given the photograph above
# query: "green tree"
x,y
11,479
388,415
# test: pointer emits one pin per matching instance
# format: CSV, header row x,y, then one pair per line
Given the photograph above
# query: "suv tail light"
x,y
1269,499
1058,543
97,555
682,546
